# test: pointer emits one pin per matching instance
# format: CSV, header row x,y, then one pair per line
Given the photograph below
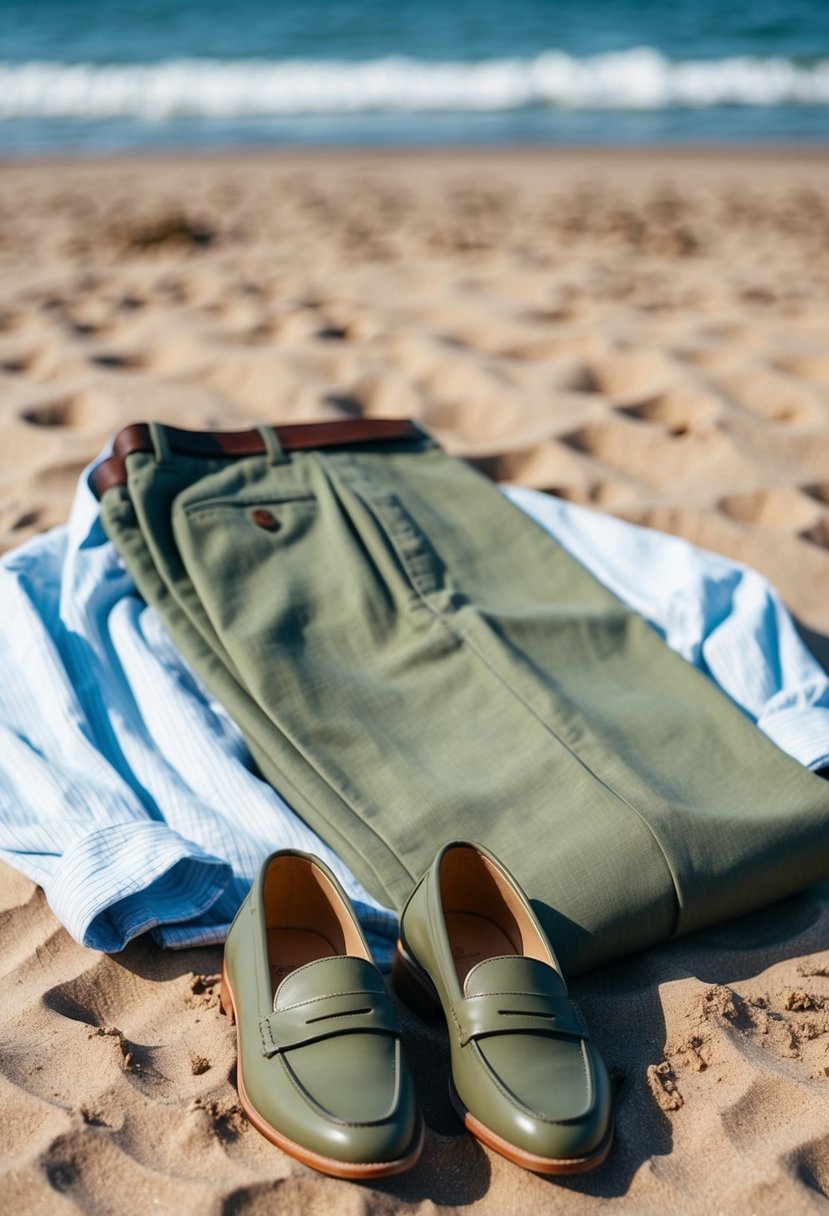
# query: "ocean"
x,y
112,75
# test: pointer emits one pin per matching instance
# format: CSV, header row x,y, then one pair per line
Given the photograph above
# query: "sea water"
x,y
103,75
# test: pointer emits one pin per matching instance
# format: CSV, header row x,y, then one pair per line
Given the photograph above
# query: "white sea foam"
x,y
638,79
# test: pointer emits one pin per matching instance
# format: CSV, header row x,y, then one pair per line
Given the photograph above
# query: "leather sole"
x,y
414,987
539,1165
325,1165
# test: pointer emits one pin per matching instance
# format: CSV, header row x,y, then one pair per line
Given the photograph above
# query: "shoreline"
x,y
808,151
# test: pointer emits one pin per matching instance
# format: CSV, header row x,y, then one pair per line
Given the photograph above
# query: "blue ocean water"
x,y
103,75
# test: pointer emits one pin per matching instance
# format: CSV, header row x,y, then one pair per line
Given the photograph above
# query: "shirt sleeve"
x,y
126,791
68,819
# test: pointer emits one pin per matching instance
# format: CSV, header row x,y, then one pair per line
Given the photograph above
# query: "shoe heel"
x,y
225,999
414,987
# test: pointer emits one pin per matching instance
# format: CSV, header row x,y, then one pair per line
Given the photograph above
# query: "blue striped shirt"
x,y
127,792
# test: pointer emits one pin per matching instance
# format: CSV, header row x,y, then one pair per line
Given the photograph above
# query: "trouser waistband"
x,y
231,444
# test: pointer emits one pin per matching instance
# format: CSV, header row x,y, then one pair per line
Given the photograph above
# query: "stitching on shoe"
x,y
327,1115
490,1073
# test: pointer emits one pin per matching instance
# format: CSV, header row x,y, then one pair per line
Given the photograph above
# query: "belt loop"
x,y
273,448
161,443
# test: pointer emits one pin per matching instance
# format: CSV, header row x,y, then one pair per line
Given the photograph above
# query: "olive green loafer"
x,y
526,1079
320,1070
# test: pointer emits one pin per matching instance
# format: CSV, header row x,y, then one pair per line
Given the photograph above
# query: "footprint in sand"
x,y
649,454
60,412
89,329
82,1163
608,495
810,1165
120,361
819,491
575,376
746,1121
23,364
80,411
783,507
681,411
818,534
814,367
11,320
27,520
770,394
120,1015
97,996
632,375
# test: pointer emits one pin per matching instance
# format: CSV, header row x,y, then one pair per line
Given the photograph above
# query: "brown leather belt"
x,y
231,444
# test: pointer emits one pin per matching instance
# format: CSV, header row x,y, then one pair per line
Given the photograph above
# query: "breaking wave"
x,y
638,79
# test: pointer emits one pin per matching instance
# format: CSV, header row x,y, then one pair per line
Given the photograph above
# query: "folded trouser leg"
x,y
412,660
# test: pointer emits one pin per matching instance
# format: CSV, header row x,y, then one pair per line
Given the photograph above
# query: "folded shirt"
x,y
128,794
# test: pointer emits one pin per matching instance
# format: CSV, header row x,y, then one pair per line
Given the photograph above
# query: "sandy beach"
x,y
644,333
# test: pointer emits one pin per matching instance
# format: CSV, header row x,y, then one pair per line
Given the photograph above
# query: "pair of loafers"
x,y
320,1068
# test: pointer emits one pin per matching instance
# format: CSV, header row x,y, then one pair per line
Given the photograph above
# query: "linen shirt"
x,y
128,794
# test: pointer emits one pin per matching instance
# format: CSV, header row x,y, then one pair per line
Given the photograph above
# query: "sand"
x,y
644,333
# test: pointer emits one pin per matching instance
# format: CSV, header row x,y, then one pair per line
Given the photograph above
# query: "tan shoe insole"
x,y
292,948
474,938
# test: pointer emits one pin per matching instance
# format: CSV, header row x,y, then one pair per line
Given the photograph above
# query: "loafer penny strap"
x,y
513,1012
324,1016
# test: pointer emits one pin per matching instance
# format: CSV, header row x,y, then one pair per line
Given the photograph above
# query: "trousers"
x,y
412,660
